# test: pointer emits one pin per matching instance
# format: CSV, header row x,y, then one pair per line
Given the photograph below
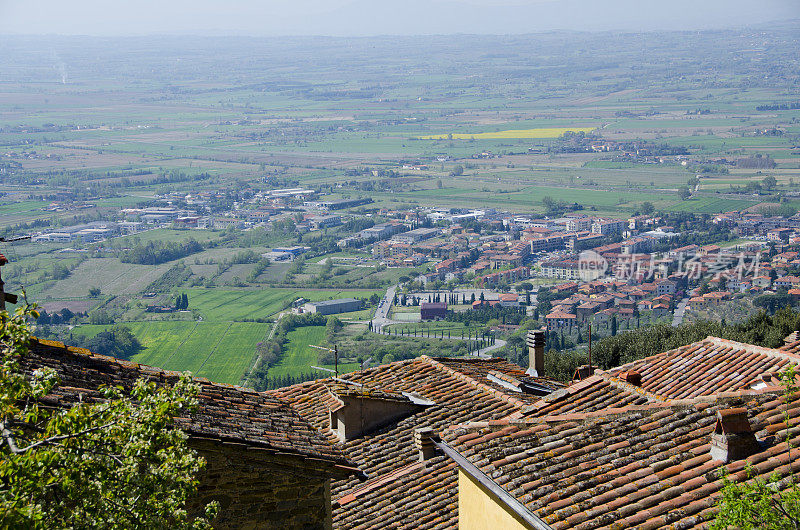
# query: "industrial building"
x,y
331,307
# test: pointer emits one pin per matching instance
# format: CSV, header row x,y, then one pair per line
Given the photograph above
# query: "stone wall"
x,y
258,490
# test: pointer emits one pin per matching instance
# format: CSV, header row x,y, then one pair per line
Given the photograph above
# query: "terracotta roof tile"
x,y
646,467
707,367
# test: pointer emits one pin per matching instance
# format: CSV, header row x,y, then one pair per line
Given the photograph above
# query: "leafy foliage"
x,y
119,342
155,252
269,352
482,315
115,461
761,329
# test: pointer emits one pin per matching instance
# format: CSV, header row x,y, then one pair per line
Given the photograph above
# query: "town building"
x,y
779,234
559,319
433,310
578,224
608,227
320,222
571,269
381,231
331,307
414,236
338,204
508,276
665,287
787,282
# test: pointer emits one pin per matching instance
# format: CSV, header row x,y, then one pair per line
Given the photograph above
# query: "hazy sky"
x,y
375,17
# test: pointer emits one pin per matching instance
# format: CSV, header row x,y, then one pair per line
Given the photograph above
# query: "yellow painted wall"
x,y
479,510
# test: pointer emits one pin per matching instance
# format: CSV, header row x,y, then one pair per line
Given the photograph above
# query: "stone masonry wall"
x,y
256,490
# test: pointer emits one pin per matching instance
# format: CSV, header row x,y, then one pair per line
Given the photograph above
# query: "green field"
x,y
710,205
219,351
530,198
298,356
109,274
226,305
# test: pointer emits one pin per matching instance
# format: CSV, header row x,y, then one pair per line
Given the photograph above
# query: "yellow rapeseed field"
x,y
547,132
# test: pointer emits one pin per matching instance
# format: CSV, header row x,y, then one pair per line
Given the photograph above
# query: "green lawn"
x,y
167,234
234,352
531,197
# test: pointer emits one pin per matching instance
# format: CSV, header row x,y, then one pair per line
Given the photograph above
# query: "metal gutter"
x,y
502,495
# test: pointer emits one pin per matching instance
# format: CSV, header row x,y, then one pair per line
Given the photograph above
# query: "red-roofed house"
x,y
696,303
763,282
716,297
447,265
787,282
509,300
559,320
433,310
660,310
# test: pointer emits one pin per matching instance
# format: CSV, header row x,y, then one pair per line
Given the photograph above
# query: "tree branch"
x,y
53,439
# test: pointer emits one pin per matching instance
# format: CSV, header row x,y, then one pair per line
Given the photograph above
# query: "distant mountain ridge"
x,y
375,17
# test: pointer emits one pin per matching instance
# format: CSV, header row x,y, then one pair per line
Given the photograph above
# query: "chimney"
x,y
632,377
582,372
535,342
423,440
733,438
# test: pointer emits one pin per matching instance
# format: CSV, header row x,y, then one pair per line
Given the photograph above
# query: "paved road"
x,y
483,353
679,311
381,317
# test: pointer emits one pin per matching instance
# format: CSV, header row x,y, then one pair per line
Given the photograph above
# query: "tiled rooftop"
x,y
591,394
602,412
631,467
793,347
418,495
226,413
461,392
600,451
710,366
